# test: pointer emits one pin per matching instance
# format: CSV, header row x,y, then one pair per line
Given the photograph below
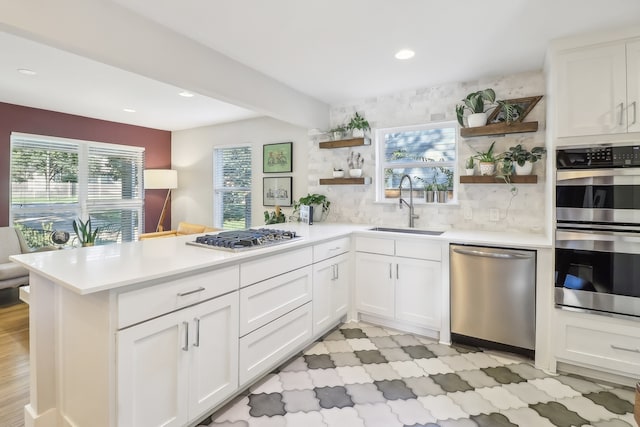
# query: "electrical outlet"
x,y
467,213
494,214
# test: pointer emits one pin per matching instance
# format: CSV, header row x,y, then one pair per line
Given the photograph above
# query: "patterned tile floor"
x,y
367,376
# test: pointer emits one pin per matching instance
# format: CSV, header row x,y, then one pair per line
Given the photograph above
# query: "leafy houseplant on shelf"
x,y
487,160
524,159
511,112
478,103
86,235
338,132
320,205
358,125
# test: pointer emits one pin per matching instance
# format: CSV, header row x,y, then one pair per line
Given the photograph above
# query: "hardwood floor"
x,y
14,364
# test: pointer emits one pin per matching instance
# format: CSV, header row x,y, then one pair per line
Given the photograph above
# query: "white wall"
x,y
524,212
192,157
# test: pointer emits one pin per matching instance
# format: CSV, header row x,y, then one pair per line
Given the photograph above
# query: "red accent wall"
x,y
157,144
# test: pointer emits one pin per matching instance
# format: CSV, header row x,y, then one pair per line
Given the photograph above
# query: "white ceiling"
x,y
333,50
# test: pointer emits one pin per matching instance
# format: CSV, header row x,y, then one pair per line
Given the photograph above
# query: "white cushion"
x,y
9,243
11,270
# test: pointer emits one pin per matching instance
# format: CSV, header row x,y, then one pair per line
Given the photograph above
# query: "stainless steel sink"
x,y
407,230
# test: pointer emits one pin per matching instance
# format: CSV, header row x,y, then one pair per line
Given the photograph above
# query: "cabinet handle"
x,y
621,113
633,104
196,342
617,347
390,272
185,347
337,271
195,291
334,249
397,271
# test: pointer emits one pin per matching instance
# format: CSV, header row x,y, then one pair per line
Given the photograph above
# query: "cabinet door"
x,y
340,287
323,276
213,353
592,91
418,292
374,284
633,86
153,372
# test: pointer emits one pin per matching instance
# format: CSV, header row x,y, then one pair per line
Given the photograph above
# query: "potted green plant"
x,y
358,126
478,103
320,205
487,160
469,166
430,189
338,132
86,235
524,159
274,217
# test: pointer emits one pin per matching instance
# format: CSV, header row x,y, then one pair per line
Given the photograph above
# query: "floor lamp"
x,y
161,179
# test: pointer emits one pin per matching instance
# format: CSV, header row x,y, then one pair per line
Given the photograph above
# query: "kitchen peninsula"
x,y
125,335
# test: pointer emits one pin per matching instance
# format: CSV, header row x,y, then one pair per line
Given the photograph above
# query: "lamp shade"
x,y
160,179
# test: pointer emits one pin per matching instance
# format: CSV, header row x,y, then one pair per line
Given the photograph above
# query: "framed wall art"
x,y
276,191
526,105
277,157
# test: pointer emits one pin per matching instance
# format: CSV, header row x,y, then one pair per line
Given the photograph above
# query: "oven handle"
x,y
598,241
569,174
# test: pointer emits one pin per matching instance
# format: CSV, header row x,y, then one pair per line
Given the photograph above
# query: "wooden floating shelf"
x,y
499,129
345,181
484,179
351,142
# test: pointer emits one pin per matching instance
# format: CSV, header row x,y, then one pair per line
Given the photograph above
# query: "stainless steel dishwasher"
x,y
493,295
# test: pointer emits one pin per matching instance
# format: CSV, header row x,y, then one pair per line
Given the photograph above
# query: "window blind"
x,y
232,187
56,180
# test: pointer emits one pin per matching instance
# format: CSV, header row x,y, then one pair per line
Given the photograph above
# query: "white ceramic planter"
x,y
524,170
470,171
355,173
338,174
487,168
477,119
357,133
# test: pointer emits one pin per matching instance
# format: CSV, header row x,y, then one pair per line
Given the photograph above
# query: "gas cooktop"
x,y
240,240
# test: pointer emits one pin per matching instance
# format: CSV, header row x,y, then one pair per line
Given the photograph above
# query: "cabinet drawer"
x,y
420,249
264,268
591,340
262,349
330,249
155,300
375,245
267,300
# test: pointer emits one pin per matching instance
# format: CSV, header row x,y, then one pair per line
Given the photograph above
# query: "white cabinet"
x,y
404,288
330,292
598,90
599,342
175,367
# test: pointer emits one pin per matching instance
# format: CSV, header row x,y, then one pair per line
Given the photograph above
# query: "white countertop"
x,y
100,268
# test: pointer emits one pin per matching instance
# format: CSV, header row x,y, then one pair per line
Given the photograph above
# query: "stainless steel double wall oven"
x,y
597,255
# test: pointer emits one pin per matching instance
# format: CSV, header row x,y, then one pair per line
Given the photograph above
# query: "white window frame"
x,y
85,206
381,164
217,199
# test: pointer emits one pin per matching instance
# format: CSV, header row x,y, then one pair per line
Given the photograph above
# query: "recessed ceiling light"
x,y
129,110
186,94
405,54
26,72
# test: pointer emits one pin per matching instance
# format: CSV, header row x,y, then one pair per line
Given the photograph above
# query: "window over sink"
x,y
427,153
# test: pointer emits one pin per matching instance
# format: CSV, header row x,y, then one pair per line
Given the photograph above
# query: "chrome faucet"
x,y
412,216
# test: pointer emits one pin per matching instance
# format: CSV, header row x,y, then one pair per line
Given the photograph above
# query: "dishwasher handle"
x,y
500,255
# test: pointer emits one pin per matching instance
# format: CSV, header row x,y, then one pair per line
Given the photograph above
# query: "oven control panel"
x,y
598,157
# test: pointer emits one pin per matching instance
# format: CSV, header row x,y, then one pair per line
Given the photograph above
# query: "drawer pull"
x,y
195,291
196,342
617,347
185,347
337,248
